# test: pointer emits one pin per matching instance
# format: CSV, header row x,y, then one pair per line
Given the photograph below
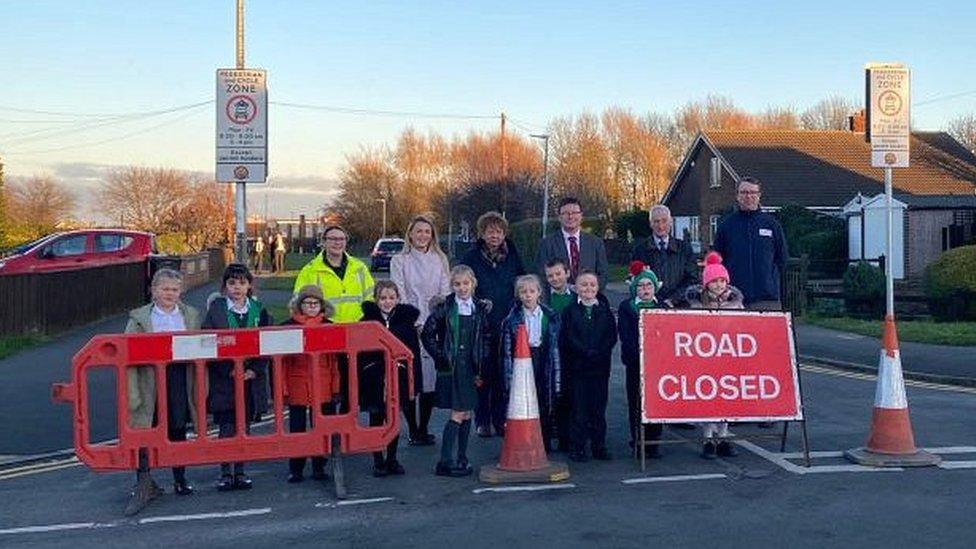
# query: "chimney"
x,y
855,122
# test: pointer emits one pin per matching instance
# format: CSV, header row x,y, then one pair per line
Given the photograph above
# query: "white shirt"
x,y
587,303
658,241
234,309
533,325
569,254
167,322
465,306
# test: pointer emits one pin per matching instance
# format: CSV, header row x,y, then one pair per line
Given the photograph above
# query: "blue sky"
x,y
534,60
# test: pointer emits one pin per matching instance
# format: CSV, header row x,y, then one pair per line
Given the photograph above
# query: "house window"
x,y
693,229
712,228
715,174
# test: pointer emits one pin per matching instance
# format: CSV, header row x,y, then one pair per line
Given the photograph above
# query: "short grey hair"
x,y
164,275
659,208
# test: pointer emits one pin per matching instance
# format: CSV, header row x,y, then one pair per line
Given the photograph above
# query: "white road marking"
x,y
206,516
345,502
873,377
837,454
57,527
673,478
790,467
47,468
952,450
526,488
958,465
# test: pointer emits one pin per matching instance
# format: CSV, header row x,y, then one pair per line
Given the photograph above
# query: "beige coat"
x,y
142,379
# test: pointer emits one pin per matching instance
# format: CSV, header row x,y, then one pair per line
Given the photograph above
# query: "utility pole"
x,y
504,178
240,204
545,177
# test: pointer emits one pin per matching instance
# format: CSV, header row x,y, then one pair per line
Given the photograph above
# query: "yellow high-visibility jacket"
x,y
346,295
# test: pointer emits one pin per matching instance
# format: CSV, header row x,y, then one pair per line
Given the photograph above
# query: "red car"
x,y
77,250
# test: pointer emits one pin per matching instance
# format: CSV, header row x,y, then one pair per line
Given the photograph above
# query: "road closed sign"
x,y
718,366
242,125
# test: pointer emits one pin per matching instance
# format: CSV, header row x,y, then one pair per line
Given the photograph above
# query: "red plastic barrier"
x,y
123,351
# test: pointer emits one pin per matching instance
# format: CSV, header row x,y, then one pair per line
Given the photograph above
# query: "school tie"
x,y
573,257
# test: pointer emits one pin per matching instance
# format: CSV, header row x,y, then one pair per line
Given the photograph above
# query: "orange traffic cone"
x,y
891,442
523,454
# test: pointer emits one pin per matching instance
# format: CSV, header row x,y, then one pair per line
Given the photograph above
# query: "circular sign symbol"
x,y
890,158
241,109
890,103
241,172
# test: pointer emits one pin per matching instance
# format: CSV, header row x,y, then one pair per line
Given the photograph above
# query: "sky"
x,y
533,60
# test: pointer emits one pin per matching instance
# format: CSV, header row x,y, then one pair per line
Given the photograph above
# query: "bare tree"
x,y
144,198
200,219
963,128
37,205
828,114
779,118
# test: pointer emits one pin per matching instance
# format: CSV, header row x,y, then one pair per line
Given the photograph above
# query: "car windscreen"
x,y
390,246
17,250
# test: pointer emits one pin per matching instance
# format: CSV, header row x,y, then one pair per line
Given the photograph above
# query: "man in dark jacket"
x,y
753,248
496,264
671,259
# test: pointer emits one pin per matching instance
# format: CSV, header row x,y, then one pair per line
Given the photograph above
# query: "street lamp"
x,y
383,200
545,189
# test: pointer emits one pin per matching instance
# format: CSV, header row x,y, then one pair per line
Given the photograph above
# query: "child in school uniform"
x,y
558,297
308,308
401,319
542,325
456,335
587,336
716,292
236,309
643,286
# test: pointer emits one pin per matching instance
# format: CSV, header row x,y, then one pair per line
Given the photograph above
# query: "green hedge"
x,y
950,285
864,290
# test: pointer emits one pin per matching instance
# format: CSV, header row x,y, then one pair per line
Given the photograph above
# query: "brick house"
x,y
825,171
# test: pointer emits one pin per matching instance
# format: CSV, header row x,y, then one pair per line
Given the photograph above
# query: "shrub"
x,y
950,285
635,221
864,290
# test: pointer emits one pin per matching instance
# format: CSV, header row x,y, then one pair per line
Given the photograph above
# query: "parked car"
x,y
383,251
77,250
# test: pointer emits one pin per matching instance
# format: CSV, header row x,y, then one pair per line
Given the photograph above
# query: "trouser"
x,y
564,412
589,412
227,430
632,383
376,418
492,406
175,433
542,392
260,261
298,421
279,260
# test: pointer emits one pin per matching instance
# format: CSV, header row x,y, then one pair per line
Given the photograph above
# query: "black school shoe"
x,y
295,478
242,482
393,467
726,449
444,469
709,450
462,469
181,488
225,484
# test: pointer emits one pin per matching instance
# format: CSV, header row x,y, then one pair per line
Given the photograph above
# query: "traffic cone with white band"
x,y
891,442
523,454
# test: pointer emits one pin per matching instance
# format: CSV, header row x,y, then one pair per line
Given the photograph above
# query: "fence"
x,y
53,302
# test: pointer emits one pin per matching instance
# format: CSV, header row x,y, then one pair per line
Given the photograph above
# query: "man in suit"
x,y
671,259
578,249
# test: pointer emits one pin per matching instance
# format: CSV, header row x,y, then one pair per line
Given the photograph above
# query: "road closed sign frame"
x,y
791,408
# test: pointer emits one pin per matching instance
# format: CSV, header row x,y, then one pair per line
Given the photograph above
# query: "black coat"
x,y
439,341
753,248
496,281
221,394
675,267
586,346
403,324
628,327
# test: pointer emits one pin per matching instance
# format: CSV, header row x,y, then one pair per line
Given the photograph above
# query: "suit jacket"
x,y
593,255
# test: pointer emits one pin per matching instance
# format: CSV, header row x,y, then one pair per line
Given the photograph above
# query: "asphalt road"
x,y
757,499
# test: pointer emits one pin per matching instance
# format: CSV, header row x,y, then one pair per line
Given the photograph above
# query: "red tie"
x,y
573,257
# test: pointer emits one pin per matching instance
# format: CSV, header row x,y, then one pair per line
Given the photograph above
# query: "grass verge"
x,y
962,334
10,345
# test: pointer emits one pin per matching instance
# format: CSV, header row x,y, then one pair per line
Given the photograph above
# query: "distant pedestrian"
x,y
165,313
671,258
308,308
456,335
401,320
581,251
496,263
542,326
586,340
421,271
643,285
753,247
279,253
716,292
237,309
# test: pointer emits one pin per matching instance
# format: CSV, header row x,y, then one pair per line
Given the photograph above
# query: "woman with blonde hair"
x,y
421,272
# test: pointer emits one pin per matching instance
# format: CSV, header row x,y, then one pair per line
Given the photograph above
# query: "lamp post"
x,y
545,171
383,200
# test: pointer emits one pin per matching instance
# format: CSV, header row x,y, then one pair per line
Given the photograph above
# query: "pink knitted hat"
x,y
714,269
